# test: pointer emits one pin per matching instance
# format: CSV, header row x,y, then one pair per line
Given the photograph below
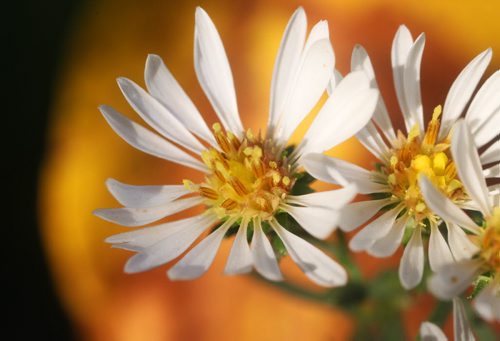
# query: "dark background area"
x,y
34,35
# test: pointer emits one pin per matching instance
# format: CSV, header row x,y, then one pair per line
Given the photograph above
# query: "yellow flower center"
x,y
248,177
490,242
412,156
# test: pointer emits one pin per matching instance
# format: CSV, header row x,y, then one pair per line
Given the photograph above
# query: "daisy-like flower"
x,y
461,328
404,157
249,178
482,246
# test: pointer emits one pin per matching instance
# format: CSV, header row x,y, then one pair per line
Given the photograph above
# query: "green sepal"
x,y
479,284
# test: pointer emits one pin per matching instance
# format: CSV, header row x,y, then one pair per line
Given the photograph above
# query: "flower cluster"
x,y
430,186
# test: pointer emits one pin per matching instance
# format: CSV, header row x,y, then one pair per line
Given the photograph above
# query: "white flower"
x,y
248,177
482,250
461,328
403,157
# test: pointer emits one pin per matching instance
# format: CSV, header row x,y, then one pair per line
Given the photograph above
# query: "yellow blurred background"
x,y
112,38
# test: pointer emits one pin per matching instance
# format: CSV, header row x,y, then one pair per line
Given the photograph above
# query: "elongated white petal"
x,y
165,89
144,196
314,263
157,116
319,221
309,84
357,213
412,84
145,140
374,231
461,327
263,255
240,259
460,245
160,244
197,261
335,199
461,91
401,46
387,245
430,332
469,166
444,207
411,267
286,64
439,252
491,154
334,81
345,112
361,61
322,167
373,141
213,72
127,216
142,238
492,172
452,279
483,115
487,303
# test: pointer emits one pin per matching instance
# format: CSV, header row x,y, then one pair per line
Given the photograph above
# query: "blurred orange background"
x,y
111,39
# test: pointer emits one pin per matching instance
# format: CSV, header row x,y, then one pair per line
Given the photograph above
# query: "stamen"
x,y
208,193
433,127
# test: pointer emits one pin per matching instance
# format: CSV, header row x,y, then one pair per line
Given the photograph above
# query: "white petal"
x,y
319,221
411,267
286,64
141,216
334,199
308,86
157,116
401,46
313,262
461,327
491,154
492,172
160,244
452,279
263,254
469,167
361,61
412,84
460,245
144,196
444,207
142,238
214,73
461,91
240,258
439,252
345,112
373,141
322,167
145,140
357,213
483,115
164,88
374,231
334,81
197,261
387,245
430,332
487,303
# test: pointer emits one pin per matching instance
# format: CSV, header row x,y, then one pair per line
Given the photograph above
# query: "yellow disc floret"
x,y
247,176
490,242
415,155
